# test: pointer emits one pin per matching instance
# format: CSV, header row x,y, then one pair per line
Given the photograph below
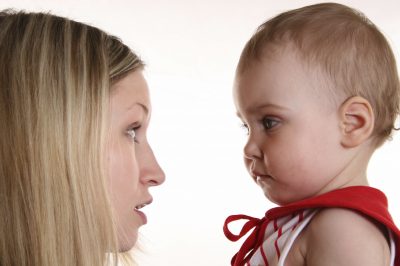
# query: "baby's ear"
x,y
356,120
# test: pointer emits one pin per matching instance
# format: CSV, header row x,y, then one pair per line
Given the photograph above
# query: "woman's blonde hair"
x,y
55,80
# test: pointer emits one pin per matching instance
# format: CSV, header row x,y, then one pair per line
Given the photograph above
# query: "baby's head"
x,y
318,90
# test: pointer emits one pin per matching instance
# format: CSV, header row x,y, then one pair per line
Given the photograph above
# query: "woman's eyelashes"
x,y
132,133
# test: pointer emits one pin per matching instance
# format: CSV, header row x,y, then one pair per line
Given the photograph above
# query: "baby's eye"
x,y
132,133
269,123
245,127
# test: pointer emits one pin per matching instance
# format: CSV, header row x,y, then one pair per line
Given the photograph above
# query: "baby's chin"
x,y
281,199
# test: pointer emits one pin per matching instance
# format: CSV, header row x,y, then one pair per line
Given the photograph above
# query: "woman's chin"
x,y
127,243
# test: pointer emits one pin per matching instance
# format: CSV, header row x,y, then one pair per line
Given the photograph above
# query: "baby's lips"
x,y
256,174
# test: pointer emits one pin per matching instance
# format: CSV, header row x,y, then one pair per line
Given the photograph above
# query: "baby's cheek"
x,y
290,168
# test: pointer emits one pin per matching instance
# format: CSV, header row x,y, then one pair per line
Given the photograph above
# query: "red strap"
x,y
366,200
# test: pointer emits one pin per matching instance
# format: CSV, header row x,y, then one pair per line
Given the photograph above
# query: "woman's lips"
x,y
141,215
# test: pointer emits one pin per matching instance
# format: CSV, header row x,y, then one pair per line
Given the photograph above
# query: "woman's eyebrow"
x,y
145,108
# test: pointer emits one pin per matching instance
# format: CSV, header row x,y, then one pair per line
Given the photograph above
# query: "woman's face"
x,y
133,169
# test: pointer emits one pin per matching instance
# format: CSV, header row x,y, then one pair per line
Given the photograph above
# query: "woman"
x,y
75,164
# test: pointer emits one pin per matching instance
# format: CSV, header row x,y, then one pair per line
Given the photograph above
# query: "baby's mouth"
x,y
257,176
262,178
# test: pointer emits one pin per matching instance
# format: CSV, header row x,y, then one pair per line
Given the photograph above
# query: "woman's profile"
x,y
75,164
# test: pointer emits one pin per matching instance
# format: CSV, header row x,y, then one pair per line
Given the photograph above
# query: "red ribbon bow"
x,y
251,244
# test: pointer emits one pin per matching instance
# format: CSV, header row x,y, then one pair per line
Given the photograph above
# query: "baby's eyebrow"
x,y
254,109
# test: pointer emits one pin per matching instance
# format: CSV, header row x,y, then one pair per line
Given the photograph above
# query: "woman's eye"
x,y
132,134
245,127
269,123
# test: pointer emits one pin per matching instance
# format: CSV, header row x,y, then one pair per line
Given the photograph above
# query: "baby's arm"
x,y
343,237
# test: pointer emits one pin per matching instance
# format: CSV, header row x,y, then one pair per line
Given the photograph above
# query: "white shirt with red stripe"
x,y
280,235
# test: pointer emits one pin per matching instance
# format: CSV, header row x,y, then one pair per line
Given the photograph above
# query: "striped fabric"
x,y
269,239
279,236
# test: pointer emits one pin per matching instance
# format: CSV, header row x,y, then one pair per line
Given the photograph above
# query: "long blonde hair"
x,y
55,80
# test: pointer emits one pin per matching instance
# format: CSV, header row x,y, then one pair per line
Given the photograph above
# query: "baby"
x,y
318,91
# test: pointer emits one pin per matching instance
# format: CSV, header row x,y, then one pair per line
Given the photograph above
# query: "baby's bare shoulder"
x,y
344,237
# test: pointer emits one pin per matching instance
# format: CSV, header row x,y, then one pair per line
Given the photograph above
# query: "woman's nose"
x,y
151,172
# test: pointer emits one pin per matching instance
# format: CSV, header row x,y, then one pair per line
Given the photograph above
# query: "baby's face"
x,y
293,149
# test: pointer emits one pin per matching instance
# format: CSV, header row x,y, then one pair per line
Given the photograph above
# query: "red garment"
x,y
366,200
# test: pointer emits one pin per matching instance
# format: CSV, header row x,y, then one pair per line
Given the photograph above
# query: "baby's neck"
x,y
354,173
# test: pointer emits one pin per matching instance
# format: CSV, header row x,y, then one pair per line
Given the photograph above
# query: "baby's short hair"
x,y
346,46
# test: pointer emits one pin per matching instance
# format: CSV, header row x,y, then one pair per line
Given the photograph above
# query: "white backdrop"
x,y
191,49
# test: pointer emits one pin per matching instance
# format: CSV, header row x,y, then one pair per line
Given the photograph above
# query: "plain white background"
x,y
191,49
